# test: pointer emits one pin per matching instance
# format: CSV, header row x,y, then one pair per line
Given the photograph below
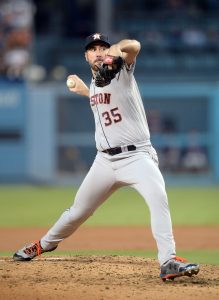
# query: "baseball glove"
x,y
110,67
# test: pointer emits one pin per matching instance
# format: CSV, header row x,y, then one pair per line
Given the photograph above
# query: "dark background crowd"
x,y
41,41
166,29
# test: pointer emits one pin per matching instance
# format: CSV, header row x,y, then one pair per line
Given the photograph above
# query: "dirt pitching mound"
x,y
100,278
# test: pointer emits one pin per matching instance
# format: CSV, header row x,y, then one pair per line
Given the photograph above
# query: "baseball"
x,y
70,83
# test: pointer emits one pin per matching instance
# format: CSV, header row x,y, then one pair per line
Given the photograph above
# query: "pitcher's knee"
x,y
159,196
158,202
78,216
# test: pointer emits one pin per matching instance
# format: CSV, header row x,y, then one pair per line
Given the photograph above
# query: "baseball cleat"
x,y
176,267
30,251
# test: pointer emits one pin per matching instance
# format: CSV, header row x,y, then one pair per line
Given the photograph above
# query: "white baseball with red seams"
x,y
70,83
120,120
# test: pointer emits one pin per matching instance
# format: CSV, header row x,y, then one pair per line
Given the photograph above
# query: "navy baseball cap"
x,y
96,38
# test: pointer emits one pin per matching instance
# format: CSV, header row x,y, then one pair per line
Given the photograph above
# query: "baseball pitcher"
x,y
125,156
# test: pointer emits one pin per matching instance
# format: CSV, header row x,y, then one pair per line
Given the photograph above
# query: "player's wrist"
x,y
115,50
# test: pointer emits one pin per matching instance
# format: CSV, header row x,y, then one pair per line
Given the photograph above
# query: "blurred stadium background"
x,y
47,133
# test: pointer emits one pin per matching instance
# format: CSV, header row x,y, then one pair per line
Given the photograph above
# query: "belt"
x,y
117,150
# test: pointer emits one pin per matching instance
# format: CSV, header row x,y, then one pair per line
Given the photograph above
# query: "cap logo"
x,y
94,39
96,36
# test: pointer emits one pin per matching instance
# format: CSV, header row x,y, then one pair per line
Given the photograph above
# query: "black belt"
x,y
117,150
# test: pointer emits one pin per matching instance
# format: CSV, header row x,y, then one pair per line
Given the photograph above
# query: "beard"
x,y
96,65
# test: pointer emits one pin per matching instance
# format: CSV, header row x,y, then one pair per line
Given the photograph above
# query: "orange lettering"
x,y
107,98
100,98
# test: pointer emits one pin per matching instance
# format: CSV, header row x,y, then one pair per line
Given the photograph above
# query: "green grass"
x,y
31,206
22,206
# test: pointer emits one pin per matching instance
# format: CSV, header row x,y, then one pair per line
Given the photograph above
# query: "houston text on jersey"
x,y
101,98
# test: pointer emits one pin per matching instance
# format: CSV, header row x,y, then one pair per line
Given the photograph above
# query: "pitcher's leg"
x,y
95,189
150,185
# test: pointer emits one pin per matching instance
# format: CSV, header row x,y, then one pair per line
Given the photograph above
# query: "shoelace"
x,y
181,259
35,248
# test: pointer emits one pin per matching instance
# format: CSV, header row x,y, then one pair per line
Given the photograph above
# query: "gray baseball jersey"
x,y
119,114
120,121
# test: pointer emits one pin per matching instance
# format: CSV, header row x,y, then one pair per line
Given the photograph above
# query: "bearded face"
x,y
95,56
